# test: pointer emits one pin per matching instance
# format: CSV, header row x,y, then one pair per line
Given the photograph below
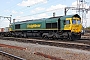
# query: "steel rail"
x,y
11,56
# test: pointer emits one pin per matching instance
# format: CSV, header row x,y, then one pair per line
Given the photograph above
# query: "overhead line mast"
x,y
81,10
9,18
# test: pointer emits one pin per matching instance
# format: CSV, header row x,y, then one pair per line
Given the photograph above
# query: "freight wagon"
x,y
1,29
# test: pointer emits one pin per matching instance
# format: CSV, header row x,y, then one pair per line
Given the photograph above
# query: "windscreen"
x,y
74,21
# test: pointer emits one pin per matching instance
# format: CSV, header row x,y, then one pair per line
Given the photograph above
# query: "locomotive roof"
x,y
71,16
75,15
38,20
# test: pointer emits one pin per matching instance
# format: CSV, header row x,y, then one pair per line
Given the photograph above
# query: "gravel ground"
x,y
60,52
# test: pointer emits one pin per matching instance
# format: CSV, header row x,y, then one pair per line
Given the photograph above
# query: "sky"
x,y
22,10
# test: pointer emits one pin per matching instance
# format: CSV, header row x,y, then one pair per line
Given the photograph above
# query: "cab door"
x,y
67,24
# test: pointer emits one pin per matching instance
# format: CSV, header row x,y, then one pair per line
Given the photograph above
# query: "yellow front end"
x,y
76,28
76,25
73,24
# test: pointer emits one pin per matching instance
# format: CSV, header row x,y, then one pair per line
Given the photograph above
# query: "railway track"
x,y
80,44
10,56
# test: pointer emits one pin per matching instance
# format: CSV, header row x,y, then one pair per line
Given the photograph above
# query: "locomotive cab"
x,y
76,25
73,24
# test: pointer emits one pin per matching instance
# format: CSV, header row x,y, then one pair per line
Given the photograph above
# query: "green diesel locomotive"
x,y
68,27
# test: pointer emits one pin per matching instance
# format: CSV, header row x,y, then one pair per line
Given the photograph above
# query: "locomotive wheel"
x,y
45,37
72,37
24,35
20,35
79,36
54,37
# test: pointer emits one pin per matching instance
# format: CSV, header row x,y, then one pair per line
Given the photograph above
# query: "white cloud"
x,y
74,4
31,2
21,12
59,6
44,15
57,9
5,21
19,18
14,12
38,9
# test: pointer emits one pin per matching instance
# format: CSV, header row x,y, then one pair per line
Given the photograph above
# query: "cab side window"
x,y
66,22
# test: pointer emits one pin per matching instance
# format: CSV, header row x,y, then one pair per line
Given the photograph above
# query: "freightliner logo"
x,y
33,25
